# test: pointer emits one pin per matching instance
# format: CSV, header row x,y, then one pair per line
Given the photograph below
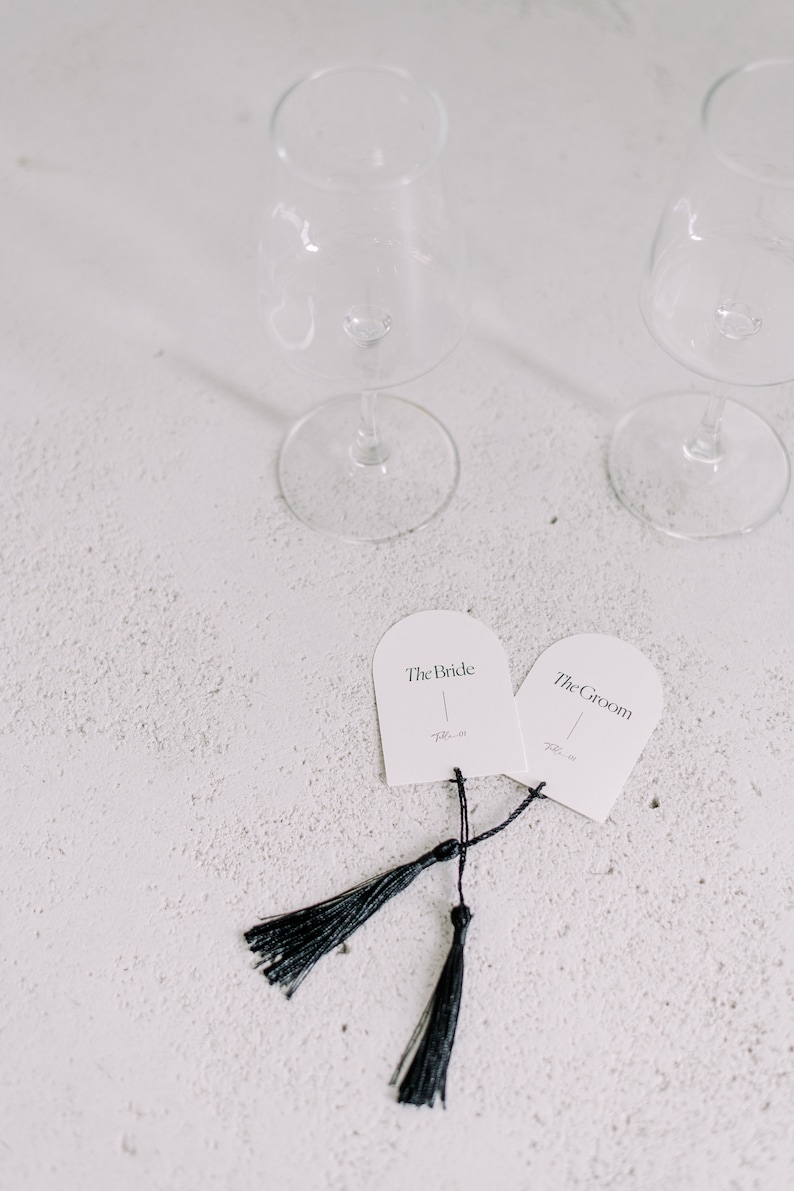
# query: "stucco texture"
x,y
188,732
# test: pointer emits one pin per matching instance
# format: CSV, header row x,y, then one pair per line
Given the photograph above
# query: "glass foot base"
x,y
686,498
328,491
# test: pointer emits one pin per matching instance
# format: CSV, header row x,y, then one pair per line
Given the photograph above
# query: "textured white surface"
x,y
189,737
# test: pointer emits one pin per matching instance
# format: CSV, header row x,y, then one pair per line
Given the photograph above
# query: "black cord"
x,y
464,830
531,796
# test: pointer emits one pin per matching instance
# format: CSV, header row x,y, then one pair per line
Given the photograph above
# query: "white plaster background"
x,y
187,722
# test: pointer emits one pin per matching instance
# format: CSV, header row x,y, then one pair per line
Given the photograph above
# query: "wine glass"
x,y
362,280
718,295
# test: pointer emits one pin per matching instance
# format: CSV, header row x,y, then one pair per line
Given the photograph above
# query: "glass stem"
x,y
705,445
368,448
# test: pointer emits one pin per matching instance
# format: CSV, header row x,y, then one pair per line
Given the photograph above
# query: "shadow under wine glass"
x,y
362,280
718,295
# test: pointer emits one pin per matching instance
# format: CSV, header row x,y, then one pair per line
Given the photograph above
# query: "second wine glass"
x,y
363,286
718,295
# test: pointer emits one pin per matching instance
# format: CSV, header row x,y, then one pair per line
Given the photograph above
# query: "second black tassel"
x,y
431,1042
433,1037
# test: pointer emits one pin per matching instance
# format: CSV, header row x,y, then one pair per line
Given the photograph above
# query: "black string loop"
x,y
463,804
536,792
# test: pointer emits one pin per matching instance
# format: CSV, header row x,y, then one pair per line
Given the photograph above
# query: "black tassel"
x,y
431,1042
432,1039
291,944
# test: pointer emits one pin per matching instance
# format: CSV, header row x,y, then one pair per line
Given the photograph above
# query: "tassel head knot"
x,y
447,850
461,917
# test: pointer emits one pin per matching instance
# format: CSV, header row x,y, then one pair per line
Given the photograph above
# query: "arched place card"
x,y
586,709
445,700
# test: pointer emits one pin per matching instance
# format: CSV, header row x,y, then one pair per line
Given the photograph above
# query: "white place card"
x,y
586,709
445,700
